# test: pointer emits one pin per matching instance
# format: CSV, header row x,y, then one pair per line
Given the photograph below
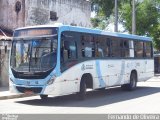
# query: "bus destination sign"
x,y
33,32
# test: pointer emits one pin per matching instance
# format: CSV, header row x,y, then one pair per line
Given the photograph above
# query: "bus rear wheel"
x,y
82,93
132,84
44,97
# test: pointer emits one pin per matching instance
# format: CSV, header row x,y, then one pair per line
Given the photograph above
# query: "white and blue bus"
x,y
60,60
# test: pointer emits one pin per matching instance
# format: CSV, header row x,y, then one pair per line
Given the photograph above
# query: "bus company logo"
x,y
83,67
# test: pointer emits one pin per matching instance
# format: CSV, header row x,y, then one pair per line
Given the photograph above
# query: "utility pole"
x,y
133,17
116,16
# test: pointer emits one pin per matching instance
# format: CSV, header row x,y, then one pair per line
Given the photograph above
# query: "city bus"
x,y
61,60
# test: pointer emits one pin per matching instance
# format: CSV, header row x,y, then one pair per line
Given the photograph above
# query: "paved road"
x,y
145,99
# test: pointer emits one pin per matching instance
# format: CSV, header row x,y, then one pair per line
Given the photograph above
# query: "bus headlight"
x,y
49,82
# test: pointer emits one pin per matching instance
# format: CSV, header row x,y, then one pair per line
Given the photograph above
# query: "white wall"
x,y
68,12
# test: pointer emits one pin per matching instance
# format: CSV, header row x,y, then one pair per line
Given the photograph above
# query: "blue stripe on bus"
x,y
57,68
98,70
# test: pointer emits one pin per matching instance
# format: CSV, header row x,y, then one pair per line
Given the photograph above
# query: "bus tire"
x,y
133,81
82,93
44,97
132,84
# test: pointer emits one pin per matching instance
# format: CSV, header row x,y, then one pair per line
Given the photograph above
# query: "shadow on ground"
x,y
93,98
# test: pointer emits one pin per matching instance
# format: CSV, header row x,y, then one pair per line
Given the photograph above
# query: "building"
x,y
19,13
5,45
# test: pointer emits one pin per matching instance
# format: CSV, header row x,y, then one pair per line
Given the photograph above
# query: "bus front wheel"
x,y
82,93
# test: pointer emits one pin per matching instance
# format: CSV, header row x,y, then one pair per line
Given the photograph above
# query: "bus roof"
x,y
89,30
101,32
40,26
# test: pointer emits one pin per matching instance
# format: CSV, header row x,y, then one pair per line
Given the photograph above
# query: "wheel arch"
x,y
88,78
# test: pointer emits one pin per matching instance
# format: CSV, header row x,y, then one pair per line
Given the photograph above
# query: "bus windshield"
x,y
34,54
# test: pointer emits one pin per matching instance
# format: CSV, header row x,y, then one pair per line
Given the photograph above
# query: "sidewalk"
x,y
5,94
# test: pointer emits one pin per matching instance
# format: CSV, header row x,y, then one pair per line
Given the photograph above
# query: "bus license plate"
x,y
29,92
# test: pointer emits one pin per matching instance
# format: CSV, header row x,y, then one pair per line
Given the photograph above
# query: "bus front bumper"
x,y
40,90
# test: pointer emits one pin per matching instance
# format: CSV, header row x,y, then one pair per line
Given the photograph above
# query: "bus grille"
x,y
34,89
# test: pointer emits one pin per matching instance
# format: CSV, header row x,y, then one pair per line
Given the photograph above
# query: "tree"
x,y
156,37
147,16
147,20
105,7
105,10
99,22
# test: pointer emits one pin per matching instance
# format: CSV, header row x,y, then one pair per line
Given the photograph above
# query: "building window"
x,y
18,6
53,16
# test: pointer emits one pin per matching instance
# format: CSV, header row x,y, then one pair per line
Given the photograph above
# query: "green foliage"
x,y
105,7
126,16
147,20
99,22
147,16
105,10
156,37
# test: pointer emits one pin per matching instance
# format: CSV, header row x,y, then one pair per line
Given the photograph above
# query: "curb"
x,y
156,75
15,96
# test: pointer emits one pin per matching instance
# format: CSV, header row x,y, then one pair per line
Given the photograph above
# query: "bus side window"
x,y
108,48
100,46
70,51
116,49
138,47
124,44
87,46
147,49
68,54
